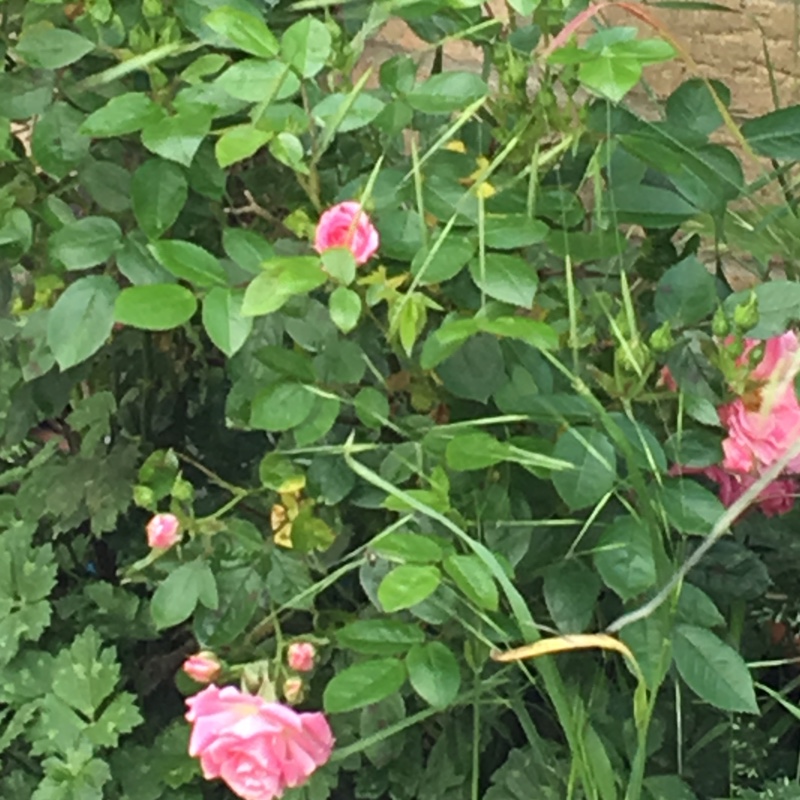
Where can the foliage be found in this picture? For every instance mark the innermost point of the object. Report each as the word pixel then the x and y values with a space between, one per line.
pixel 462 446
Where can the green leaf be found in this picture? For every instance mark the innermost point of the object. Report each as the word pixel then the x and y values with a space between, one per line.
pixel 571 590
pixel 281 407
pixel 624 557
pixel 476 370
pixel 57 144
pixel 177 597
pixel 288 149
pixel 345 308
pixel 690 507
pixel 695 607
pixel 686 294
pixel 223 320
pixel 524 7
pixel 475 450
pixel 85 243
pixel 451 257
pixel 306 45
pixel 713 670
pixel 406 546
pixel 24 95
pixel 239 143
pixel 81 320
pixel 319 422
pixel 537 334
pixel 139 265
pixel 245 31
pixel 511 231
pixel 692 107
pixel 447 92
pixel 157 307
pixel 509 279
pixel 108 184
pixel 27 576
pixel 52 48
pixel 159 191
pixel 363 684
pixel 281 278
pixel 84 676
pixel 474 579
pixel 648 206
pixel 776 134
pixel 372 407
pixel 361 110
pixel 123 114
pixel 434 673
pixel 595 467
pixel 611 76
pixel 190 262
pixel 407 585
pixel 257 81
pixel 379 637
pixel 177 138
pixel 340 264
pixel 247 248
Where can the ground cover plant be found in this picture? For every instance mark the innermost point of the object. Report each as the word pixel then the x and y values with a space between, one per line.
pixel 391 433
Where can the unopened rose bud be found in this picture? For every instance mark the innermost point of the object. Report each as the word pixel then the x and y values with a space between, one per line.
pixel 203 667
pixel 736 348
pixel 745 315
pixel 300 656
pixel 720 325
pixel 661 339
pixel 293 690
pixel 163 531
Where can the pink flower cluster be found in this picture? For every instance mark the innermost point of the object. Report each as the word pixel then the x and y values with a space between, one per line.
pixel 765 423
pixel 347 225
pixel 259 749
pixel 762 425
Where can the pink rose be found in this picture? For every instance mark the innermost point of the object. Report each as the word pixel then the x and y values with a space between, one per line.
pixel 301 656
pixel 202 667
pixel 347 225
pixel 163 531
pixel 765 422
pixel 760 433
pixel 258 748
pixel 775 364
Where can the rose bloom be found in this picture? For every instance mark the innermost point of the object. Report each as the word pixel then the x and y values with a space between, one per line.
pixel 301 656
pixel 258 748
pixel 202 667
pixel 775 498
pixel 764 423
pixel 347 225
pixel 163 531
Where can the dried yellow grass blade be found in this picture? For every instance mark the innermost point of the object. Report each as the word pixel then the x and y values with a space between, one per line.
pixel 564 644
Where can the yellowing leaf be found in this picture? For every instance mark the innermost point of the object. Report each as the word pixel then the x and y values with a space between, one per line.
pixel 564 644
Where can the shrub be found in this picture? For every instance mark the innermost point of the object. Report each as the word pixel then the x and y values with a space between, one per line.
pixel 408 400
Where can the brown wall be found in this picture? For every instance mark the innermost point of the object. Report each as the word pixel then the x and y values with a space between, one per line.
pixel 728 46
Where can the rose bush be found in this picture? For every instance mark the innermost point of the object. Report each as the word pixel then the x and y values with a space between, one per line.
pixel 399 421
